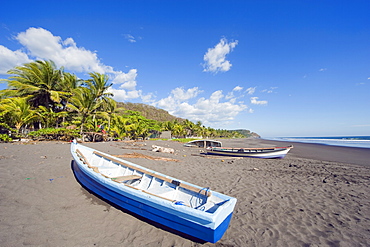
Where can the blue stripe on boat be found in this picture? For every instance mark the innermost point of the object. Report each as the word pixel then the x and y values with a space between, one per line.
pixel 154 214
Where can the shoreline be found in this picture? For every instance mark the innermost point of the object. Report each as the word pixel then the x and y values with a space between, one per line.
pixel 350 155
pixel 317 151
pixel 298 200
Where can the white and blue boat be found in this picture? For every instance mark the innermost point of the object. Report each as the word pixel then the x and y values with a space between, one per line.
pixel 264 153
pixel 203 143
pixel 186 208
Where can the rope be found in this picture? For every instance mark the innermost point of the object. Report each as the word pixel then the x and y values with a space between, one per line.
pixel 199 200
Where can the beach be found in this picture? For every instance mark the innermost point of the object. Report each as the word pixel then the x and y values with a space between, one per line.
pixel 318 195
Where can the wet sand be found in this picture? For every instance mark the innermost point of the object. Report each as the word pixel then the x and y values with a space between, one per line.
pixel 317 195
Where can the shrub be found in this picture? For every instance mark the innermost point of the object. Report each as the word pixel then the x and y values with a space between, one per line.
pixel 5 138
pixel 61 134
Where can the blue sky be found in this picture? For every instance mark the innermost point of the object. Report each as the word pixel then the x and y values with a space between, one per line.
pixel 278 68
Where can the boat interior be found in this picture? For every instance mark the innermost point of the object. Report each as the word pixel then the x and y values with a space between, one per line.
pixel 150 182
pixel 250 150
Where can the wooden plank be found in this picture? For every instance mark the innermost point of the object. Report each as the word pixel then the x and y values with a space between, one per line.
pixel 95 169
pixel 164 198
pixel 204 192
pixel 126 178
pixel 131 177
pixel 185 186
pixel 133 167
pixel 158 196
pixel 132 187
pixel 120 162
pixel 84 160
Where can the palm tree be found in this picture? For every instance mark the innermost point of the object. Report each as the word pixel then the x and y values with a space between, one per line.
pixel 189 127
pixel 198 128
pixel 178 130
pixel 48 116
pixel 88 100
pixel 167 126
pixel 119 126
pixel 40 80
pixel 84 103
pixel 18 112
pixel 98 84
pixel 69 84
pixel 109 108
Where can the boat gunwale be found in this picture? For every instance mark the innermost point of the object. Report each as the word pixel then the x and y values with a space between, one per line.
pixel 195 213
pixel 216 221
pixel 267 149
pixel 182 184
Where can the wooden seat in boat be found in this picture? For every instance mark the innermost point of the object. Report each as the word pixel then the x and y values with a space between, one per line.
pixel 126 178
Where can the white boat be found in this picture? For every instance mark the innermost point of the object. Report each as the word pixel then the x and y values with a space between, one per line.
pixel 189 209
pixel 203 143
pixel 266 153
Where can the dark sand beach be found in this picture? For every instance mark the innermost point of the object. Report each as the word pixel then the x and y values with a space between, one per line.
pixel 316 196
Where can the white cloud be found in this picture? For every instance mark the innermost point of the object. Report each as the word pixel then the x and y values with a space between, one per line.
pixel 215 58
pixel 177 96
pixel 148 98
pixel 231 95
pixel 42 44
pixel 251 90
pixel 213 110
pixel 217 109
pixel 255 101
pixel 127 87
pixel 121 95
pixel 127 80
pixel 181 95
pixel 323 69
pixel 9 59
pixel 130 38
pixel 238 88
pixel 270 90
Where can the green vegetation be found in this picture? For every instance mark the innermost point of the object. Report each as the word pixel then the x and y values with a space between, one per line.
pixel 4 132
pixel 44 102
pixel 247 133
pixel 184 140
pixel 54 134
pixel 5 138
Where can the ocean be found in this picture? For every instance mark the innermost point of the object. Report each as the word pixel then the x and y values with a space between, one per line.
pixel 347 141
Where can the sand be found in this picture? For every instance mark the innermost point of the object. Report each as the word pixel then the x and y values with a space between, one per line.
pixel 316 196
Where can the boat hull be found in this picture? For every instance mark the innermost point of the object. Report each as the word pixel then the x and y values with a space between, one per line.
pixel 143 207
pixel 203 143
pixel 255 153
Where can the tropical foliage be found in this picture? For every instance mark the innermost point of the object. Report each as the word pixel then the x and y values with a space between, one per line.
pixel 43 101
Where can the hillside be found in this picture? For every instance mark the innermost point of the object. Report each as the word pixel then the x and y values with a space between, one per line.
pixel 148 111
pixel 248 133
pixel 151 112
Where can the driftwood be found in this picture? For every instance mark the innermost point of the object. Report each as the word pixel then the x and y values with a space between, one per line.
pixel 216 157
pixel 133 148
pixel 134 144
pixel 138 155
pixel 94 136
pixel 162 149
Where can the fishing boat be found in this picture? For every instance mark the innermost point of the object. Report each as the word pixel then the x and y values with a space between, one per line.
pixel 266 153
pixel 189 209
pixel 203 143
